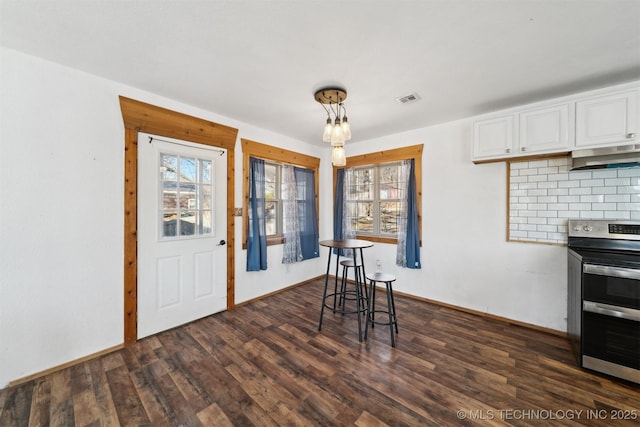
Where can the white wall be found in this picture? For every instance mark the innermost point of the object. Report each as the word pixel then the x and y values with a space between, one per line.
pixel 466 260
pixel 61 221
pixel 61 214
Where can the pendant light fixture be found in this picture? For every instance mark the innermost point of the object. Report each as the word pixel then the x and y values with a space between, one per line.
pixel 337 129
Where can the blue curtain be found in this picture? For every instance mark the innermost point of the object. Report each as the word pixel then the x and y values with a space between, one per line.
pixel 413 234
pixel 257 235
pixel 338 207
pixel 307 219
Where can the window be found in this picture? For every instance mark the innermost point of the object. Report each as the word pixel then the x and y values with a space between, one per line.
pixel 274 160
pixel 373 197
pixel 374 192
pixel 273 199
pixel 186 196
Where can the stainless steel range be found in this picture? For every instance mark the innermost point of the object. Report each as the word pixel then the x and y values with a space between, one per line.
pixel 604 296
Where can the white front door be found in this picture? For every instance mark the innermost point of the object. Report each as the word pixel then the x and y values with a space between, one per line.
pixel 182 262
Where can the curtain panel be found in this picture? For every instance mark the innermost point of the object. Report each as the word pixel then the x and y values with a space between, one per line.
pixel 257 234
pixel 307 213
pixel 292 251
pixel 412 248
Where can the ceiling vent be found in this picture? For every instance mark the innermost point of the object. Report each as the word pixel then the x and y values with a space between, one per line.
pixel 408 99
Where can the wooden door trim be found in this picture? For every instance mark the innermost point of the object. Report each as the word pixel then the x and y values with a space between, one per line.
pixel 141 117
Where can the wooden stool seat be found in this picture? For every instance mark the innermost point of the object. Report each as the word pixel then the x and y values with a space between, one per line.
pixel 361 297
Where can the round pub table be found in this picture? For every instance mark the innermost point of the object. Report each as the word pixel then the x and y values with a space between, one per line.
pixel 356 247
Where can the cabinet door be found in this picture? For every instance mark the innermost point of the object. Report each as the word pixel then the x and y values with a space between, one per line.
pixel 494 138
pixel 545 129
pixel 607 120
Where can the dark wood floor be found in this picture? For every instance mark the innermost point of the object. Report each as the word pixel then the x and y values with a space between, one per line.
pixel 266 364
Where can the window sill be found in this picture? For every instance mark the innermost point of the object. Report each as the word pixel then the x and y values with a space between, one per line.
pixel 380 239
pixel 271 241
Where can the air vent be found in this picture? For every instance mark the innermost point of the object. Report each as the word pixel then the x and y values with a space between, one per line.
pixel 408 99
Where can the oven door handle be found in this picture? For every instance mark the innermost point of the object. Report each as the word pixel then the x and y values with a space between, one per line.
pixel 606 270
pixel 611 310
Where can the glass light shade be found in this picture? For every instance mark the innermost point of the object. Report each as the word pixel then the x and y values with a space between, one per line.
pixel 337 137
pixel 326 135
pixel 346 128
pixel 338 156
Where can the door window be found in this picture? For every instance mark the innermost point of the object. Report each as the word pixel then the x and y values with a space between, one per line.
pixel 186 202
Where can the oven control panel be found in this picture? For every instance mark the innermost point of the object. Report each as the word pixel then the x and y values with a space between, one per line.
pixel 604 229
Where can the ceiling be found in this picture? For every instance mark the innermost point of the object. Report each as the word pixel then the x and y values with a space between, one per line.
pixel 260 62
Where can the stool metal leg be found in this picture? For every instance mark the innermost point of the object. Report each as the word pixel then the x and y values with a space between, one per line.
pixel 391 314
pixel 393 306
pixel 370 307
pixel 358 296
pixel 324 294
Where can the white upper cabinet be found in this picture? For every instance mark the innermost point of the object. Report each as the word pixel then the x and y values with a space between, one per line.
pixel 538 130
pixel 545 129
pixel 607 119
pixel 494 137
pixel 598 118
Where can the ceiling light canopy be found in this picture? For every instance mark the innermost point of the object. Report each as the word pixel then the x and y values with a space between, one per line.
pixel 337 129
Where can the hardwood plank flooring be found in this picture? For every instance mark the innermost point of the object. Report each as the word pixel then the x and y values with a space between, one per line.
pixel 266 364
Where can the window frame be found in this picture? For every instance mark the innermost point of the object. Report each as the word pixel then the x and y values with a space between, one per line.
pixel 273 154
pixel 198 184
pixel 388 156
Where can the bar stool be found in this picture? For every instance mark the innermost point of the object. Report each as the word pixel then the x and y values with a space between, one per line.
pixel 344 294
pixel 387 279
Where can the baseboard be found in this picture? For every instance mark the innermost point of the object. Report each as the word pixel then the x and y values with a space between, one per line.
pixel 487 315
pixel 65 365
pixel 476 312
pixel 279 291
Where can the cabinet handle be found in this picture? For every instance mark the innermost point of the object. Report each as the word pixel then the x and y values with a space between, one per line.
pixel 508 150
pixel 523 148
pixel 631 135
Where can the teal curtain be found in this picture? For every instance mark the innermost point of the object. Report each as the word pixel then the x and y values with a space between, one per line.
pixel 257 234
pixel 307 217
pixel 413 234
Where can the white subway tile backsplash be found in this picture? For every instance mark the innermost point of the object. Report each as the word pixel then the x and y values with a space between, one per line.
pixel 604 190
pixel 580 191
pixel 548 199
pixel 532 171
pixel 604 173
pixel 617 182
pixel 580 206
pixel 603 206
pixel 547 171
pixel 580 175
pixel 544 194
pixel 627 207
pixel 565 183
pixel 548 185
pixel 558 177
pixel 628 172
pixel 617 215
pixel 537 178
pixel 598 198
pixel 592 182
pixel 620 198
pixel 538 164
pixel 592 214
pixel 569 199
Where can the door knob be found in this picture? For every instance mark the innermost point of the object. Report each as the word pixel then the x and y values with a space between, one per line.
pixel 222 243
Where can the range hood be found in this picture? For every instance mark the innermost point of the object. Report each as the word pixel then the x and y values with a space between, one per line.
pixel 607 157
